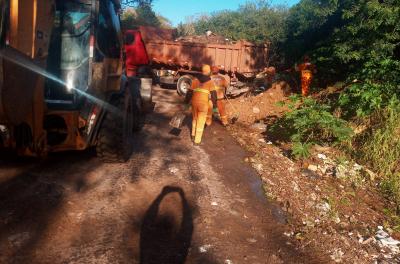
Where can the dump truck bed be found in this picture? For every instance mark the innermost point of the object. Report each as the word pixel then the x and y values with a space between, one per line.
pixel 243 57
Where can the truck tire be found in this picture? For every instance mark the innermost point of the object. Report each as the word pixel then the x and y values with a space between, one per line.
pixel 115 140
pixel 183 85
pixel 138 113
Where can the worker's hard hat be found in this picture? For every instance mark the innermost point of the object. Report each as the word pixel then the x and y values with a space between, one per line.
pixel 214 69
pixel 206 69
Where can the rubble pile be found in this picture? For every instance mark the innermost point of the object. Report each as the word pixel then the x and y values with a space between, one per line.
pixel 254 108
pixel 211 39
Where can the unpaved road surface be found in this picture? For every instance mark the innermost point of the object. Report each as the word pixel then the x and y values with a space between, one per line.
pixel 171 203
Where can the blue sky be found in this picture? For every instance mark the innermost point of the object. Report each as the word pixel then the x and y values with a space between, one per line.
pixel 178 10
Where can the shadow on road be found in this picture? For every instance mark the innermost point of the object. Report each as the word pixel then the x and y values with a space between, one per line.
pixel 162 240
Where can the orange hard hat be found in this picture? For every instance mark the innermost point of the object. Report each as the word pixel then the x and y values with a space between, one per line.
pixel 206 69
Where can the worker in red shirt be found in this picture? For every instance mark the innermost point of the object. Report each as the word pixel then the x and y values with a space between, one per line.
pixel 135 52
pixel 220 86
pixel 306 69
pixel 202 96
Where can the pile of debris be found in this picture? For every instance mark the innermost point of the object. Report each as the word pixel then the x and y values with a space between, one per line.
pixel 345 170
pixel 255 108
pixel 206 39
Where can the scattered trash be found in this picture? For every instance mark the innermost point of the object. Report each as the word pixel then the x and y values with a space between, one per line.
pixel 370 174
pixel 385 239
pixel 269 143
pixel 228 261
pixel 337 255
pixel 251 240
pixel 336 219
pixel 79 216
pixel 288 234
pixel 310 174
pixel 296 187
pixel 313 168
pixel 324 207
pixel 357 167
pixel 341 172
pixel 360 238
pixel 177 120
pixel 259 126
pixel 214 204
pixel 299 236
pixel 258 167
pixel 204 248
pixel 322 156
pixel 313 196
pixel 367 241
pixel 309 223
pixel 173 170
pixel 256 110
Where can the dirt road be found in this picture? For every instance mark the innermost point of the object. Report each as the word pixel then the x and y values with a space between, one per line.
pixel 171 203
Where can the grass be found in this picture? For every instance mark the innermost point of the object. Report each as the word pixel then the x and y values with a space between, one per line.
pixel 380 148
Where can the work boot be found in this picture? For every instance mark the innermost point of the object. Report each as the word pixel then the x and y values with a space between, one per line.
pixel 209 121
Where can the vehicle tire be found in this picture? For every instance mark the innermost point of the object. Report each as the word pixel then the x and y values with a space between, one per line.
pixel 183 85
pixel 138 113
pixel 115 140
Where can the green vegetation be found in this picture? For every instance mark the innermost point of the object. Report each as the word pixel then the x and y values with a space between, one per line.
pixel 140 13
pixel 255 21
pixel 308 123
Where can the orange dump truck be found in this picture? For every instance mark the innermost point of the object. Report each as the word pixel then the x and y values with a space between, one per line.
pixel 176 61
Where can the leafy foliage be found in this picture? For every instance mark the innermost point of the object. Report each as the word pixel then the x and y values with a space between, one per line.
pixel 347 38
pixel 380 88
pixel 310 122
pixel 142 15
pixel 133 3
pixel 255 21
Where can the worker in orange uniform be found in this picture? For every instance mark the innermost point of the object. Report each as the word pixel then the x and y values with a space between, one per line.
pixel 306 70
pixel 202 96
pixel 220 85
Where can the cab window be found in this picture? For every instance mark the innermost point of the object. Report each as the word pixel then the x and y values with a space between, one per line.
pixel 108 30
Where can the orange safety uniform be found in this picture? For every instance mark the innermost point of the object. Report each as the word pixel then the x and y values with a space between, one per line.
pixel 306 70
pixel 220 85
pixel 203 97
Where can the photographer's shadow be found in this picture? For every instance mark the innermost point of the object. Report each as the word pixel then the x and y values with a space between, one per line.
pixel 166 237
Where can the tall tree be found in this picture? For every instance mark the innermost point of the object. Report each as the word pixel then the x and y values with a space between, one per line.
pixel 134 3
pixel 139 13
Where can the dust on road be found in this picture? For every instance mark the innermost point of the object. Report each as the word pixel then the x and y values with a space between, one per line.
pixel 171 203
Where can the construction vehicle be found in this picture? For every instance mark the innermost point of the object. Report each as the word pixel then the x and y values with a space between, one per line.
pixel 176 61
pixel 62 84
